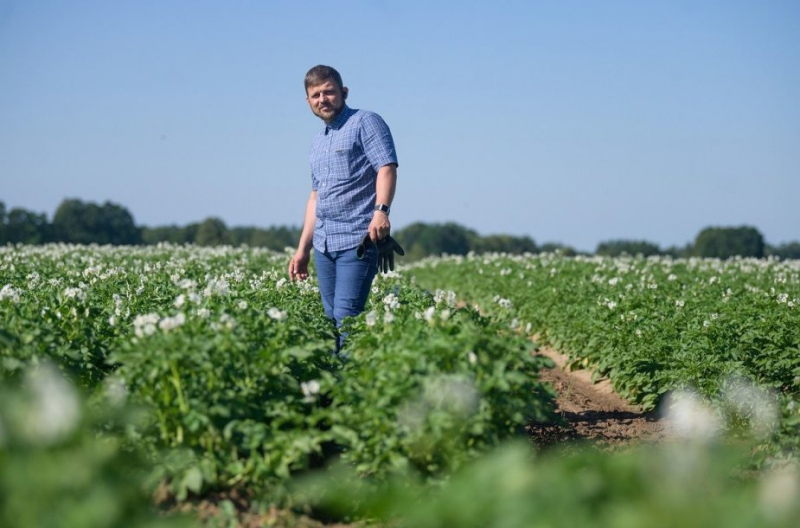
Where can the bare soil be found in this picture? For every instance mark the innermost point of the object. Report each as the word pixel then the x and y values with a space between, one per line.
pixel 591 411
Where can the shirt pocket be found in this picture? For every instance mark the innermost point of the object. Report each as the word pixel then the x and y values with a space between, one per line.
pixel 341 159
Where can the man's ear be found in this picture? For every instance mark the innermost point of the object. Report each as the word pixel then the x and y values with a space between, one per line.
pixel 344 93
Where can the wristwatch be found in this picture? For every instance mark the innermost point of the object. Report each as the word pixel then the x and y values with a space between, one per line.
pixel 382 207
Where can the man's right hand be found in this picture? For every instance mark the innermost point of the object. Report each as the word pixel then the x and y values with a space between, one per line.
pixel 298 266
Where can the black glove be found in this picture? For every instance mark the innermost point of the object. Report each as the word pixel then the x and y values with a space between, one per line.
pixel 387 247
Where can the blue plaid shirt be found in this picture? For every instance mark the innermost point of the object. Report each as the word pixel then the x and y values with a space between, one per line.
pixel 345 158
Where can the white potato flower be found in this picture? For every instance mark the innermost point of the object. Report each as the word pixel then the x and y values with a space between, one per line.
pixel 11 293
pixel 170 323
pixel 276 314
pixel 310 390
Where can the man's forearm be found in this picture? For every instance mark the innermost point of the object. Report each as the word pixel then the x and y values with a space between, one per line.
pixel 385 184
pixel 307 234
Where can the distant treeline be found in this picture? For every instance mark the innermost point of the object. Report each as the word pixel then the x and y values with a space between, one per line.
pixel 81 222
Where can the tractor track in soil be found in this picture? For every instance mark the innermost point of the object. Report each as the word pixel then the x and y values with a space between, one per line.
pixel 592 412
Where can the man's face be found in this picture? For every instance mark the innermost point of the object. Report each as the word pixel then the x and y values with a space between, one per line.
pixel 326 100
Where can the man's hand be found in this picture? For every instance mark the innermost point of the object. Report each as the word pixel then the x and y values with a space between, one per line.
pixel 387 247
pixel 298 266
pixel 379 227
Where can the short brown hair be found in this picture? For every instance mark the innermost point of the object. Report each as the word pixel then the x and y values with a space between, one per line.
pixel 321 73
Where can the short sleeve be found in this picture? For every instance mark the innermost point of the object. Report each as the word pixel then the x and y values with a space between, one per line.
pixel 377 141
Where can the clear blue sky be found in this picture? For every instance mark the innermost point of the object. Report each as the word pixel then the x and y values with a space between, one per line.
pixel 565 121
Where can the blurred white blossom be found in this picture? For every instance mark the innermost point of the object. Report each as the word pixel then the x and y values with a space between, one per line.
pixel 448 297
pixel 116 391
pixel 779 491
pixel 310 390
pixel 391 302
pixel 451 393
pixel 75 293
pixel 276 314
pixel 145 325
pixel 54 411
pixel 170 323
pixel 690 418
pixel 217 287
pixel 504 303
pixel 11 293
pixel 754 405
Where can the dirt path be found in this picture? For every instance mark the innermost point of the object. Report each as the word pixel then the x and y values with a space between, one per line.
pixel 593 412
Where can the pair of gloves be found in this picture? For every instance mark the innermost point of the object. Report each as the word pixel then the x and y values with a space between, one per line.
pixel 387 247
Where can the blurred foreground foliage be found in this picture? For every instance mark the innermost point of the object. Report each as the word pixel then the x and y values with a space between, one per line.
pixel 677 484
pixel 63 460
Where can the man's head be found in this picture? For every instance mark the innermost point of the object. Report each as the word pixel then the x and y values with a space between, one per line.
pixel 325 92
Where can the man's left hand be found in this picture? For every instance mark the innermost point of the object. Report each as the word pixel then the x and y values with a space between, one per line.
pixel 379 227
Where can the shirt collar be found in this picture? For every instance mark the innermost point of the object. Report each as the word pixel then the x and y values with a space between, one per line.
pixel 341 119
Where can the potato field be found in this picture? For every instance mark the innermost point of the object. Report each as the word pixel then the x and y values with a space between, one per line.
pixel 186 386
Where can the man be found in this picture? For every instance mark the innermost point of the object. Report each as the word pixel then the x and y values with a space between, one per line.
pixel 353 179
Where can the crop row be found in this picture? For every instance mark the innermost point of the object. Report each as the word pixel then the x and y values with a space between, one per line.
pixel 651 325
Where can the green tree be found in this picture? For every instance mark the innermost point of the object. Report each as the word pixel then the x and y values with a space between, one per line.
pixel 173 234
pixel 726 242
pixel 680 251
pixel 3 216
pixel 241 235
pixel 552 247
pixel 275 238
pixel 120 228
pixel 421 240
pixel 212 232
pixel 789 250
pixel 614 248
pixel 86 223
pixel 504 244
pixel 22 226
pixel 154 235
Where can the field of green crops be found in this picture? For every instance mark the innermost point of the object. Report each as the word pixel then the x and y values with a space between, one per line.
pixel 654 325
pixel 202 371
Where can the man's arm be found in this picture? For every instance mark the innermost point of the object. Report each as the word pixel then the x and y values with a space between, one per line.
pixel 380 227
pixel 298 266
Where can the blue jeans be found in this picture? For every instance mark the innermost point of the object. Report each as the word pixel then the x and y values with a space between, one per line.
pixel 344 283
